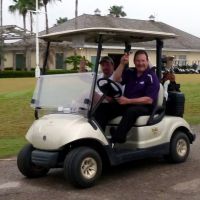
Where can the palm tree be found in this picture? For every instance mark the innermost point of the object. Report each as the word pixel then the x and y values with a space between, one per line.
pixel 20 6
pixel 45 2
pixel 117 11
pixel 61 20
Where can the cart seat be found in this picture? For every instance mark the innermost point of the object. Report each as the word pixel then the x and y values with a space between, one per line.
pixel 156 116
pixel 141 121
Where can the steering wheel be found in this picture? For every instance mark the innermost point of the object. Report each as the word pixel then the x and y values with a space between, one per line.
pixel 109 88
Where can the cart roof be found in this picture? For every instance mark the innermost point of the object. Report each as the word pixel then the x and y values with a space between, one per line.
pixel 110 35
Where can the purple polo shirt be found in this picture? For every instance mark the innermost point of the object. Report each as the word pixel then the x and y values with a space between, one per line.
pixel 145 85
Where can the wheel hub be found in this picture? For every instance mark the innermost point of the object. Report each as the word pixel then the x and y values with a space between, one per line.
pixel 89 168
pixel 181 147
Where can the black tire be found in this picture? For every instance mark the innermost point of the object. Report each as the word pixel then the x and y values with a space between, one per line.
pixel 26 167
pixel 179 147
pixel 74 162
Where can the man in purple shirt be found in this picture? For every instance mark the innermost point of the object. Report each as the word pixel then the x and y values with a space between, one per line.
pixel 140 95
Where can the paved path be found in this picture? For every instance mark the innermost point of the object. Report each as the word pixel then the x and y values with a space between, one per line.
pixel 150 179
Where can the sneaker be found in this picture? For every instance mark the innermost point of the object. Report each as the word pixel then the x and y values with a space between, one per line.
pixel 112 133
pixel 114 138
pixel 120 140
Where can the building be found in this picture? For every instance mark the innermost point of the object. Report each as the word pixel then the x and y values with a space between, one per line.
pixel 185 49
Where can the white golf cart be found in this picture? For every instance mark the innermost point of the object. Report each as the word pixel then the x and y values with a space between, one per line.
pixel 65 133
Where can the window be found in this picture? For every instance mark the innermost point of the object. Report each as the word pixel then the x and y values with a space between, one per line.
pixel 180 60
pixel 93 60
pixel 20 61
pixel 59 61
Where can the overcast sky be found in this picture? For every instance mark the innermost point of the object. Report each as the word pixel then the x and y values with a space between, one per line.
pixel 184 15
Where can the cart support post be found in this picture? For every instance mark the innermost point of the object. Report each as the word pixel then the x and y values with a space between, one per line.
pixel 95 75
pixel 159 46
pixel 46 58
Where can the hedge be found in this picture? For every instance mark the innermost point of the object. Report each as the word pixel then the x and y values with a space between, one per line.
pixel 23 74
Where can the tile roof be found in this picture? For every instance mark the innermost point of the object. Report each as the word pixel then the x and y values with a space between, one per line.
pixel 185 41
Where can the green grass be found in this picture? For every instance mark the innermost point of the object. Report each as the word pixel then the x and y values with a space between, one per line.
pixel 11 146
pixel 192 106
pixel 17 116
pixel 190 86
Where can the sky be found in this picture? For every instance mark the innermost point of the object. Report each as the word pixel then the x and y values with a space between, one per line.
pixel 184 15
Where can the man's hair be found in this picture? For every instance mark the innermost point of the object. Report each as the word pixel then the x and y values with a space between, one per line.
pixel 106 59
pixel 139 52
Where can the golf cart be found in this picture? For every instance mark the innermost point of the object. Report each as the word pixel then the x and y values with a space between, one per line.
pixel 65 133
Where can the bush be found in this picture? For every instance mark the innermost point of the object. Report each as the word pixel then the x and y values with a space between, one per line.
pixel 16 74
pixel 23 74
pixel 60 71
pixel 8 69
pixel 76 60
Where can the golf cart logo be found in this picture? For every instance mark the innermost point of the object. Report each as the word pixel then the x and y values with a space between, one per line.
pixel 155 130
pixel 44 138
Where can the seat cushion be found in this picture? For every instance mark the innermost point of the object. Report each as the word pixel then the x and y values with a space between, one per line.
pixel 141 121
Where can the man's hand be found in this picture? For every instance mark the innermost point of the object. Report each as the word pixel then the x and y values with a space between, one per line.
pixel 123 100
pixel 117 76
pixel 124 59
pixel 109 99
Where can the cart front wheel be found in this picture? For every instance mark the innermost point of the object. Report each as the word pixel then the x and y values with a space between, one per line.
pixel 26 167
pixel 82 167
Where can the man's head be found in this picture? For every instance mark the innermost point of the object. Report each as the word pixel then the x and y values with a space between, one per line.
pixel 107 66
pixel 141 60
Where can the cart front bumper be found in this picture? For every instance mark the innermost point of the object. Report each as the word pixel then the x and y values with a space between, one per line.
pixel 44 158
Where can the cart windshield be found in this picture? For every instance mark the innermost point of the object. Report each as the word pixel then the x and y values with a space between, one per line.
pixel 67 93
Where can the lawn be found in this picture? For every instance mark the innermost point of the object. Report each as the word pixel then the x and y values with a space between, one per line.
pixel 17 116
pixel 190 86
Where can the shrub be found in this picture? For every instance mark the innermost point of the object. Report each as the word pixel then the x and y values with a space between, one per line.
pixel 76 60
pixel 23 74
pixel 8 69
pixel 16 74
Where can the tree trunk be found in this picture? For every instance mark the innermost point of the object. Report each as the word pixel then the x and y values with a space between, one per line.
pixel 24 24
pixel 24 37
pixel 76 14
pixel 46 17
pixel 45 64
pixel 1 4
pixel 1 39
pixel 76 26
pixel 31 20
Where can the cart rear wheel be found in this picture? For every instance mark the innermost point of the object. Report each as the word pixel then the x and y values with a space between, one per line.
pixel 179 147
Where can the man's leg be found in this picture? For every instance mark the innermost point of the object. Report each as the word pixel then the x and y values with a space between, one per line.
pixel 100 115
pixel 105 112
pixel 130 116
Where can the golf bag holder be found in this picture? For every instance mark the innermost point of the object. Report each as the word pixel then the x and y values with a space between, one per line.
pixel 175 104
